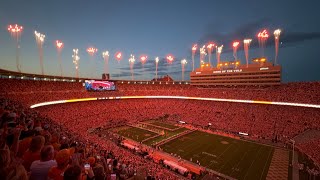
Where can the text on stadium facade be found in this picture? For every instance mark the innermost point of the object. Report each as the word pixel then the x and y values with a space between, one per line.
pixel 227 71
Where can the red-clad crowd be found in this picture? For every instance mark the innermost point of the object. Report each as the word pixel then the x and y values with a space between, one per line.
pixel 35 147
pixel 66 127
pixel 25 90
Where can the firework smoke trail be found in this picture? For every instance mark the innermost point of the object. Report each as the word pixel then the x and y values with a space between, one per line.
pixel 276 41
pixel 219 51
pixel 75 60
pixel 15 32
pixel 262 37
pixel 131 63
pixel 157 62
pixel 209 49
pixel 143 60
pixel 92 51
pixel 202 54
pixel 183 63
pixel 194 49
pixel 235 46
pixel 246 46
pixel 170 59
pixel 118 56
pixel 105 56
pixel 40 39
pixel 59 46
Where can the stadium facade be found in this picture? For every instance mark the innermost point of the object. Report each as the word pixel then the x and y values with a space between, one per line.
pixel 259 73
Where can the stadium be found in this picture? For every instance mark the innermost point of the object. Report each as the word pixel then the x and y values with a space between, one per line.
pixel 219 112
pixel 196 132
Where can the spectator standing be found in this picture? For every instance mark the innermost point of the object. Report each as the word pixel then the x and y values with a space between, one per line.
pixel 39 169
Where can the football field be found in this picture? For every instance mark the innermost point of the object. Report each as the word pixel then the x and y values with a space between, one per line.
pixel 135 134
pixel 139 134
pixel 235 158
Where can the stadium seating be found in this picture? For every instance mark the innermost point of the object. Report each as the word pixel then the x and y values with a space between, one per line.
pixel 67 126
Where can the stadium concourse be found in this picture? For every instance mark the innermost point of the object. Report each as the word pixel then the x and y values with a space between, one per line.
pixel 31 138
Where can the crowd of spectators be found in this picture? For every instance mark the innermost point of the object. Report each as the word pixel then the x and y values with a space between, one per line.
pixel 312 148
pixel 51 129
pixel 274 123
pixel 25 90
pixel 36 147
pixel 309 142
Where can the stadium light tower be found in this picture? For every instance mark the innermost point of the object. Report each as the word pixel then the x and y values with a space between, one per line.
pixel 75 61
pixel 40 39
pixel 15 31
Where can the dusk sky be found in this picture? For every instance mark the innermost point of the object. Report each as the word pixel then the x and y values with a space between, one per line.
pixel 158 28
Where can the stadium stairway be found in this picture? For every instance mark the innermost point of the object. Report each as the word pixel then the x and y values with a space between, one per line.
pixel 278 169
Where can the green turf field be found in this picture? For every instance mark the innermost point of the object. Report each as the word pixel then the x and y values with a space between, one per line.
pixel 136 134
pixel 235 158
pixel 139 135
pixel 161 124
pixel 167 135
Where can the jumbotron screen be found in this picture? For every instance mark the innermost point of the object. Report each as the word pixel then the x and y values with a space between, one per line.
pixel 93 85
